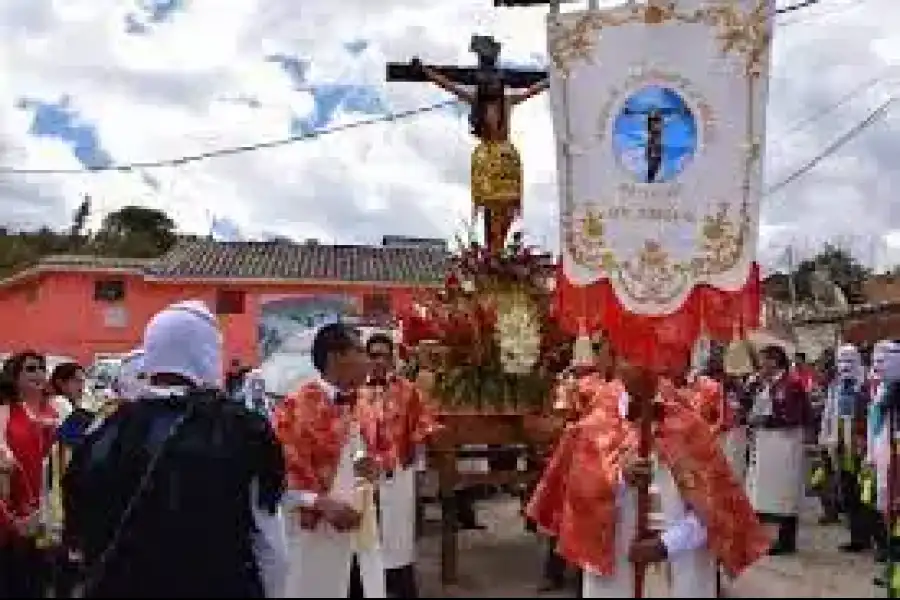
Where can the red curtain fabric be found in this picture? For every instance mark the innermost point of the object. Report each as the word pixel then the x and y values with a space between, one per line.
pixel 659 342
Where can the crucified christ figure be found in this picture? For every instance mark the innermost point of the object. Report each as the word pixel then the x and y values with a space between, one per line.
pixel 496 166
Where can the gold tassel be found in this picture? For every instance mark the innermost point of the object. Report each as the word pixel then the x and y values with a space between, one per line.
pixel 738 361
pixel 583 352
pixel 367 534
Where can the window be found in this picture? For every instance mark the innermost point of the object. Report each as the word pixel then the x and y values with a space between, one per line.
pixel 230 302
pixel 109 290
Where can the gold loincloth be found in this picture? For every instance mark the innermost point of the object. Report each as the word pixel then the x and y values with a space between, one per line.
pixel 496 177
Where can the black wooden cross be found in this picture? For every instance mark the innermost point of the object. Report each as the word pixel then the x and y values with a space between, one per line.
pixel 487 51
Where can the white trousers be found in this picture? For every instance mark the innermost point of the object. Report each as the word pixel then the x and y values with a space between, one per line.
pixel 397 515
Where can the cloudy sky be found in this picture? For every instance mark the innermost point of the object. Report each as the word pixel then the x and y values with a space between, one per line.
pixel 98 82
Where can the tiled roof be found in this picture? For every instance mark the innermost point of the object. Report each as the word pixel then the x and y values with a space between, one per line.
pixel 94 262
pixel 207 259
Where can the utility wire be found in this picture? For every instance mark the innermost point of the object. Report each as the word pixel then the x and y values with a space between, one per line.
pixel 857 90
pixel 828 11
pixel 796 6
pixel 875 116
pixel 233 150
pixel 243 149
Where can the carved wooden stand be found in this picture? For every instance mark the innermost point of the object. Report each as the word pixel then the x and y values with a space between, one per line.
pixel 534 432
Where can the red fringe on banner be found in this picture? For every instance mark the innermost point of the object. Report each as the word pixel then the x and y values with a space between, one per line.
pixel 659 342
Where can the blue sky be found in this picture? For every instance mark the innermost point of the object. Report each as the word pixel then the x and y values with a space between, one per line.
pixel 57 119
pixel 100 81
pixel 151 12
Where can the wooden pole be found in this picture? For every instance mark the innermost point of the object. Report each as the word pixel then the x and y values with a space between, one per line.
pixel 642 527
pixel 642 384
pixel 446 463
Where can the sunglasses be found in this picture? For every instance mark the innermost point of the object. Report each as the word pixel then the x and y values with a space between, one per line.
pixel 31 369
pixel 377 355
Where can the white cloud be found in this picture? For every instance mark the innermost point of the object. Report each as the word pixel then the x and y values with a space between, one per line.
pixel 200 80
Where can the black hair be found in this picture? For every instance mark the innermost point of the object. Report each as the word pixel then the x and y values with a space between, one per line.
pixel 777 354
pixel 7 390
pixel 14 366
pixel 331 339
pixel 379 338
pixel 62 373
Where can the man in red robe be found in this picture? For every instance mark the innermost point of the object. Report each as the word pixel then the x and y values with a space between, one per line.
pixel 332 446
pixel 584 500
pixel 407 421
pixel 590 380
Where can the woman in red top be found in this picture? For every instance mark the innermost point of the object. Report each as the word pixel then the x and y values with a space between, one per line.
pixel 29 435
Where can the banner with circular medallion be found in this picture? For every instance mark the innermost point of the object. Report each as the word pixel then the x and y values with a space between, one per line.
pixel 659 109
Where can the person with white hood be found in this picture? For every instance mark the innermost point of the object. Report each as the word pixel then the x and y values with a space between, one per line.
pixel 843 432
pixel 178 493
pixel 878 448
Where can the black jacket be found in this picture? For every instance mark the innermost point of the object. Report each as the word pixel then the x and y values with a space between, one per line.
pixel 190 533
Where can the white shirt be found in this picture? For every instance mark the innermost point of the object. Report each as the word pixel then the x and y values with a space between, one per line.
pixel 683 535
pixel 62 406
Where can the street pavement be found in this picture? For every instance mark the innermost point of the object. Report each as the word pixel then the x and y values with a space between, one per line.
pixel 504 561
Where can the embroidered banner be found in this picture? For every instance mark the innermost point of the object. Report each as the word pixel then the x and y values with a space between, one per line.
pixel 659 110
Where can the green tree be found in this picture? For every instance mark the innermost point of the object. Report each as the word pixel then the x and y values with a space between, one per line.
pixel 136 231
pixel 838 266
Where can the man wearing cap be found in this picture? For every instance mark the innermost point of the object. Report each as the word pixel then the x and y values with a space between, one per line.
pixel 177 493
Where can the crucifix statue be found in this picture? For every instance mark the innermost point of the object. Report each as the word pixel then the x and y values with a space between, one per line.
pixel 655 142
pixel 496 166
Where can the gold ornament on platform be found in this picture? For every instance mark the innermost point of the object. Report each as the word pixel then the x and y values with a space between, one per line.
pixel 518 333
pixel 501 344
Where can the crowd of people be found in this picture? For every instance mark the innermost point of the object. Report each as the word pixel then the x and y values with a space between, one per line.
pixel 766 419
pixel 177 486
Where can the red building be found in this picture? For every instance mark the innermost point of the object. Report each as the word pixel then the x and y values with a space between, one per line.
pixel 263 292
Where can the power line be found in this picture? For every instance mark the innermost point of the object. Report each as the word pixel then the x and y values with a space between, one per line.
pixel 829 11
pixel 306 136
pixel 233 150
pixel 796 6
pixel 857 90
pixel 875 116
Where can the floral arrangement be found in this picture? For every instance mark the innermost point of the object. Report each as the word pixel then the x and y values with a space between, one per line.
pixel 501 347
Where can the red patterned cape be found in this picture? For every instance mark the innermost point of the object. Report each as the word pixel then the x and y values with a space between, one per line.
pixel 406 417
pixel 312 431
pixel 575 500
pixel 707 396
pixel 579 400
